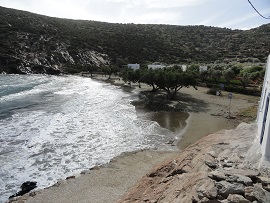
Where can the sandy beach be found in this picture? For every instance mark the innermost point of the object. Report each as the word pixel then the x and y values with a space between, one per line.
pixel 102 184
pixel 213 114
pixel 208 114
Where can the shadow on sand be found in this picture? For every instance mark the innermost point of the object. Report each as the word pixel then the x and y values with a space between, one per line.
pixel 157 101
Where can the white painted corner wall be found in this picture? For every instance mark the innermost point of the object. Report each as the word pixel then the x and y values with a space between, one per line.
pixel 263 116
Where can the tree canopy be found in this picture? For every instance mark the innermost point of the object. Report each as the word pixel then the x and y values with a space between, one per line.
pixel 171 80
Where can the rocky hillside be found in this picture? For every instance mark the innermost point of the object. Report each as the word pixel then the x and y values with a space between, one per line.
pixel 41 44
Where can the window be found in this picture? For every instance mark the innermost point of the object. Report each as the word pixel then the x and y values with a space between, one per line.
pixel 264 118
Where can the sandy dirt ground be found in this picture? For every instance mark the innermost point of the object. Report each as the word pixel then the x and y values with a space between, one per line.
pixel 108 183
pixel 209 113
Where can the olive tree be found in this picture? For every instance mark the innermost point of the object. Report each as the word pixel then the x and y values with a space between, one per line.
pixel 172 80
pixel 228 75
pixel 216 75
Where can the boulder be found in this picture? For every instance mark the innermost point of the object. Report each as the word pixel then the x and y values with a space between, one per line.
pixel 261 194
pixel 217 176
pixel 226 188
pixel 264 180
pixel 240 179
pixel 249 195
pixel 25 188
pixel 234 198
pixel 212 165
pixel 204 200
pixel 210 193
pixel 244 172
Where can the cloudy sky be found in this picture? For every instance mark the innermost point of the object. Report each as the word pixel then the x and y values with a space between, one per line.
pixel 235 14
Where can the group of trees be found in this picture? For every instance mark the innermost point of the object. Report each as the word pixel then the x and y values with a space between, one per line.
pixel 104 70
pixel 236 74
pixel 172 79
pixel 235 77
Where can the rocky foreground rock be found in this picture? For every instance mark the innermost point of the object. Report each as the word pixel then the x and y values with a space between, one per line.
pixel 222 168
pixel 25 188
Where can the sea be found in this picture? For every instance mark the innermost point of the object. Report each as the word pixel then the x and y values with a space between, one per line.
pixel 52 127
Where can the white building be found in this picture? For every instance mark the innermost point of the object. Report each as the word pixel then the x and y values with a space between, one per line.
pixel 134 66
pixel 154 66
pixel 263 116
pixel 184 67
pixel 202 68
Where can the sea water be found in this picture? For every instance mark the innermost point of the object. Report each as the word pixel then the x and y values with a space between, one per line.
pixel 52 127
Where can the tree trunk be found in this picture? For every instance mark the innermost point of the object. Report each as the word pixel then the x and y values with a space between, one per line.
pixel 243 84
pixel 109 76
pixel 154 89
pixel 170 95
pixel 173 94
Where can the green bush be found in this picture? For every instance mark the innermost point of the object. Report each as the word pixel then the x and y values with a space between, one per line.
pixel 210 85
pixel 213 91
pixel 72 70
pixel 236 82
pixel 242 90
pixel 232 88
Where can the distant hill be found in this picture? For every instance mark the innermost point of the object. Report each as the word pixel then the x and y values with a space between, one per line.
pixel 36 43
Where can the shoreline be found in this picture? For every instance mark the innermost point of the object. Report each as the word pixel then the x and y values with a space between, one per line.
pixel 122 166
pixel 207 113
pixel 105 183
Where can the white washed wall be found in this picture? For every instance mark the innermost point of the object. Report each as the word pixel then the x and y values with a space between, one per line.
pixel 263 118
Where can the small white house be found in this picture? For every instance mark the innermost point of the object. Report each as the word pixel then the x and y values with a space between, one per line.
pixel 134 66
pixel 263 116
pixel 184 67
pixel 202 68
pixel 154 66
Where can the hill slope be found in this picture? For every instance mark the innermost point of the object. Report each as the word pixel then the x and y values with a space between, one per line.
pixel 36 43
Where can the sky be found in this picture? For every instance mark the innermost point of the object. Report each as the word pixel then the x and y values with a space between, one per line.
pixel 234 14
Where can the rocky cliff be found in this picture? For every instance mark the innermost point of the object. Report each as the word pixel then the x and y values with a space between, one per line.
pixel 216 169
pixel 31 44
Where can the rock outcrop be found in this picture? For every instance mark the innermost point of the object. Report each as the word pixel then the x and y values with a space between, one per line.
pixel 53 58
pixel 25 188
pixel 214 169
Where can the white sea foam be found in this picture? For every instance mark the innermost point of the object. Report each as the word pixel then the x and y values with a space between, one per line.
pixel 76 123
